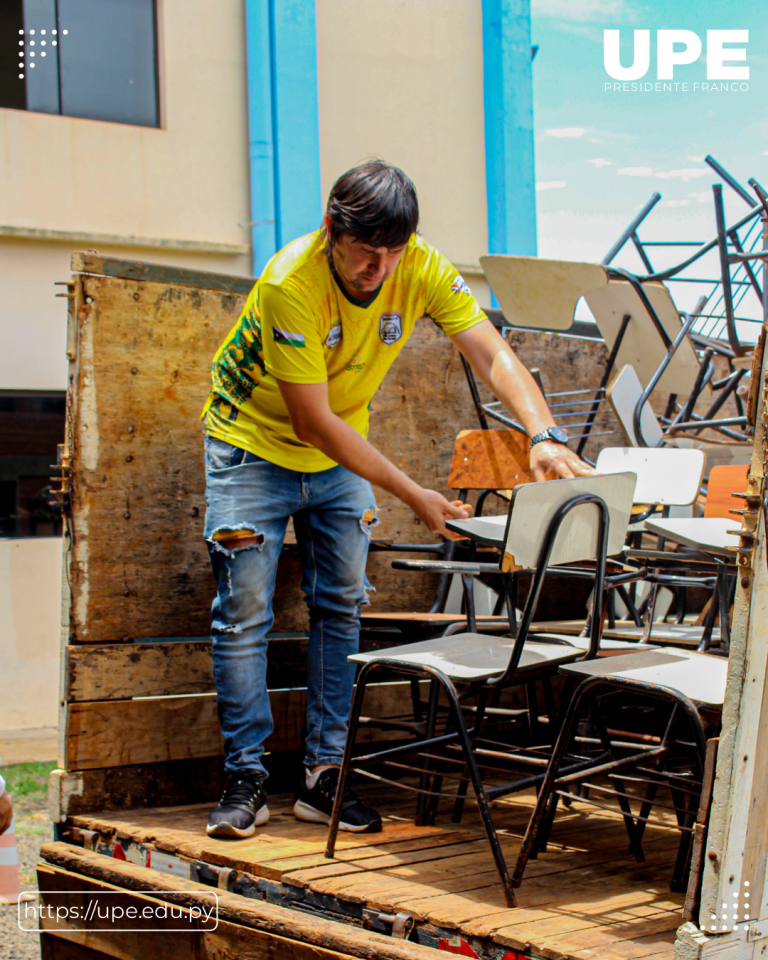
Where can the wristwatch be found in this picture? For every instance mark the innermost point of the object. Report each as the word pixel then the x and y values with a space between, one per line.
pixel 555 434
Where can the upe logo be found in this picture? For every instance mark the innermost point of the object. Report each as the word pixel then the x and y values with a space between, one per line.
pixel 677 48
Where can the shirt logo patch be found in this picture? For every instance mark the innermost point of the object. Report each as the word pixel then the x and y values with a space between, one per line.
pixel 333 337
pixel 459 285
pixel 390 328
pixel 287 339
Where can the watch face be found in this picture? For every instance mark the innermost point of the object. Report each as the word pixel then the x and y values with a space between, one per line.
pixel 558 434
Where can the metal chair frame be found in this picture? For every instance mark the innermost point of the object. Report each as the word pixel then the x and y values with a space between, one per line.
pixel 643 760
pixel 457 732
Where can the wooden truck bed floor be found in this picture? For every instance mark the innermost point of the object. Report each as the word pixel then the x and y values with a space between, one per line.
pixel 586 897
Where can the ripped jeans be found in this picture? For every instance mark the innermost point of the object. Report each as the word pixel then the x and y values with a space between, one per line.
pixel 332 512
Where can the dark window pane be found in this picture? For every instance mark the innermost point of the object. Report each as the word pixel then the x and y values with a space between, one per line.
pixel 41 56
pixel 12 89
pixel 107 60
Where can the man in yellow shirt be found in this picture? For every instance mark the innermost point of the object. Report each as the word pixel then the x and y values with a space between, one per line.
pixel 286 425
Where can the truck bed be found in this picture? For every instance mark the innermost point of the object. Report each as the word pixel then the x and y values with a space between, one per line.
pixel 585 897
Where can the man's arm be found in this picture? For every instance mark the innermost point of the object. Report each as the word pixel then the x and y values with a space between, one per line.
pixel 6 808
pixel 500 370
pixel 314 422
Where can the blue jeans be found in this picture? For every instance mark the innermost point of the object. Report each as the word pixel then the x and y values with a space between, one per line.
pixel 333 511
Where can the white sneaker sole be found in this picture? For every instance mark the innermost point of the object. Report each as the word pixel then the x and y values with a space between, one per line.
pixel 303 811
pixel 227 830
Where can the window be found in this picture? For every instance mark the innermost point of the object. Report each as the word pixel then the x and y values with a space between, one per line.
pixel 31 426
pixel 95 59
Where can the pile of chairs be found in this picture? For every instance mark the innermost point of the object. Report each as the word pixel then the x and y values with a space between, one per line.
pixel 632 531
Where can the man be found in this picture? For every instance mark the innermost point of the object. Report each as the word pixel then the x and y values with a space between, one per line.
pixel 286 427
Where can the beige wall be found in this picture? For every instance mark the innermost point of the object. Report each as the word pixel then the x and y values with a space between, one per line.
pixel 403 80
pixel 30 612
pixel 188 181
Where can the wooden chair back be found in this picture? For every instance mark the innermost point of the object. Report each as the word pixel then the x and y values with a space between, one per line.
pixel 540 293
pixel 665 476
pixel 723 481
pixel 489 460
pixel 534 505
pixel 623 393
pixel 641 346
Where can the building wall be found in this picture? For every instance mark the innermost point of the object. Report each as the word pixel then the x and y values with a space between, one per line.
pixel 30 611
pixel 403 81
pixel 186 182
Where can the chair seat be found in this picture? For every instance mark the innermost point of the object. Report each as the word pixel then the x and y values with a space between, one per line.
pixel 685 634
pixel 473 656
pixel 608 646
pixel 698 676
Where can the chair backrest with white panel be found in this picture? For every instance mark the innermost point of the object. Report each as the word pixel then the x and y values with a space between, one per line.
pixel 642 345
pixel 540 293
pixel 623 393
pixel 534 505
pixel 665 476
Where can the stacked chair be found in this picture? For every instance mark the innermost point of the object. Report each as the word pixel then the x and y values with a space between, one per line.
pixel 549 524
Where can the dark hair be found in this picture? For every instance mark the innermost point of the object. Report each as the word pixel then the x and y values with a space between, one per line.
pixel 376 203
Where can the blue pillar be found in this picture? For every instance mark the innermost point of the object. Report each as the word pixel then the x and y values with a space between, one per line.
pixel 508 102
pixel 286 202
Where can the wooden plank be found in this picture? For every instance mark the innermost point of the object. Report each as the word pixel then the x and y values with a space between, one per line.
pixel 54 947
pixel 121 671
pixel 127 787
pixel 106 266
pixel 723 482
pixel 489 460
pixel 114 733
pixel 270 920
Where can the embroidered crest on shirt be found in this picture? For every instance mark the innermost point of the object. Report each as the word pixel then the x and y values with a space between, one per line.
pixel 459 285
pixel 333 337
pixel 390 327
pixel 286 338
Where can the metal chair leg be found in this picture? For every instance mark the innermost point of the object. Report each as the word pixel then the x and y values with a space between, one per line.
pixel 354 722
pixel 421 803
pixel 480 796
pixel 461 792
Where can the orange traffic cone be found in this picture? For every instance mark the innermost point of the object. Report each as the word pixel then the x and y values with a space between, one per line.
pixel 10 887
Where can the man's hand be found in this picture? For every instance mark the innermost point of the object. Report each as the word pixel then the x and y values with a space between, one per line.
pixel 555 458
pixel 433 509
pixel 6 812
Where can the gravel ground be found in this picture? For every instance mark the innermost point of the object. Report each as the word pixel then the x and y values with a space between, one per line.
pixel 33 828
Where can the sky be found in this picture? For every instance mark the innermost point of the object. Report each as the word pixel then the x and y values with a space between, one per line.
pixel 601 154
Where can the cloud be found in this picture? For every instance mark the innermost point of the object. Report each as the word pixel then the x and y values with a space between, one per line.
pixel 583 10
pixel 566 133
pixel 765 153
pixel 594 140
pixel 675 203
pixel 551 185
pixel 636 172
pixel 702 196
pixel 599 162
pixel 684 175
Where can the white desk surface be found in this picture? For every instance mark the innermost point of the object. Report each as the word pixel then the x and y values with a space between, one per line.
pixel 702 533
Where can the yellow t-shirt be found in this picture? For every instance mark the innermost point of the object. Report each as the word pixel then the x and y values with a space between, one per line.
pixel 299 325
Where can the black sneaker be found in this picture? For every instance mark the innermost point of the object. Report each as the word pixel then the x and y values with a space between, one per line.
pixel 242 808
pixel 316 805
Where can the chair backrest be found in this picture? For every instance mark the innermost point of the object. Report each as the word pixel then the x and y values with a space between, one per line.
pixel 540 293
pixel 623 393
pixel 489 460
pixel 665 476
pixel 641 346
pixel 534 505
pixel 723 481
